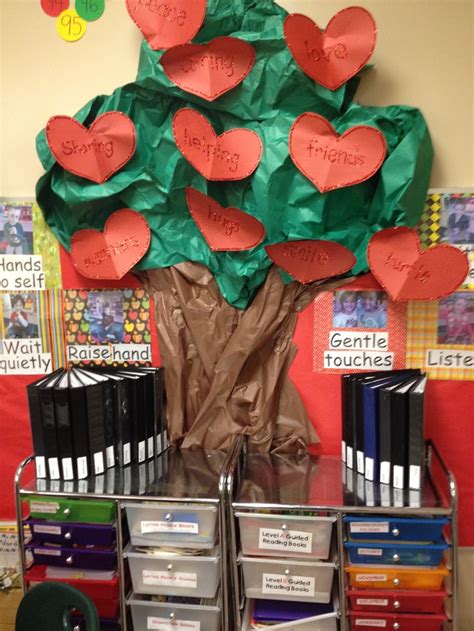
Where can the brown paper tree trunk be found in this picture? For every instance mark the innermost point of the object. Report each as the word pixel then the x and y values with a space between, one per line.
pixel 226 369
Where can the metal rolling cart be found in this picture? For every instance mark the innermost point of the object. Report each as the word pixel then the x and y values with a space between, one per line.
pixel 270 485
pixel 176 478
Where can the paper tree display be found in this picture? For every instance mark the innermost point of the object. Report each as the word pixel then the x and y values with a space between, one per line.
pixel 238 122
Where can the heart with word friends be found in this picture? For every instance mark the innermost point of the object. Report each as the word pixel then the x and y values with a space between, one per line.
pixel 331 161
pixel 110 254
pixel 234 155
pixel 409 273
pixel 97 152
pixel 225 229
pixel 209 70
pixel 309 261
pixel 334 56
pixel 167 23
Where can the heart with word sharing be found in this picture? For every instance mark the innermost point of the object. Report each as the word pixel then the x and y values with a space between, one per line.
pixel 234 155
pixel 209 70
pixel 407 272
pixel 97 152
pixel 225 229
pixel 309 261
pixel 167 23
pixel 334 56
pixel 110 254
pixel 331 161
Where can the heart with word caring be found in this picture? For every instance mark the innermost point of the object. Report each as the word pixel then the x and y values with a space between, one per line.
pixel 97 152
pixel 234 155
pixel 407 272
pixel 167 23
pixel 309 261
pixel 209 70
pixel 112 253
pixel 225 229
pixel 334 56
pixel 331 161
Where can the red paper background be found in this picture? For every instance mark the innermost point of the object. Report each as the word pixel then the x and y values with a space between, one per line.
pixel 449 413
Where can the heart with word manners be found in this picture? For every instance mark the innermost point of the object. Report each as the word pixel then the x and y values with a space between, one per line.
pixel 234 155
pixel 110 254
pixel 167 23
pixel 334 56
pixel 331 161
pixel 225 229
pixel 407 272
pixel 209 70
pixel 309 261
pixel 97 152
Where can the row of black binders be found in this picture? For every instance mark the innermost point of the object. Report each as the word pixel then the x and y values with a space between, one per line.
pixel 86 421
pixel 383 426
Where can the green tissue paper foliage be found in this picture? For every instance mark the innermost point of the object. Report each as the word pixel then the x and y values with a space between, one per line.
pixel 269 100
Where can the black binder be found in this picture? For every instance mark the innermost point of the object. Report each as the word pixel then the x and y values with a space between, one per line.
pixel 416 438
pixel 122 431
pixel 138 414
pixel 160 428
pixel 80 428
pixel 399 429
pixel 46 397
pixel 64 427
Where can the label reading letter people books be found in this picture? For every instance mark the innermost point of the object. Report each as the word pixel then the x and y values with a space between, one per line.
pixel 288 540
pixel 183 527
pixel 186 580
pixel 165 624
pixel 275 584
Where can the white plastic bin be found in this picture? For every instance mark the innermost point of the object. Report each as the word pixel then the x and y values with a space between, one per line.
pixel 147 615
pixel 326 622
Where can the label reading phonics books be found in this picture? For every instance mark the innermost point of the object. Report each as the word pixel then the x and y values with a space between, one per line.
pixel 184 527
pixel 281 584
pixel 288 540
pixel 44 507
pixel 46 530
pixel 165 624
pixel 187 580
pixel 371 578
pixel 373 602
pixel 370 552
pixel 370 622
pixel 372 527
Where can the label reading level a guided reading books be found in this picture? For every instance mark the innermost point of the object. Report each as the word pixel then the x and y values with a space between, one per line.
pixel 288 540
pixel 281 584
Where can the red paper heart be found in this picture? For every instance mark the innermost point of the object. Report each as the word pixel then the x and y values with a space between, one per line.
pixel 167 23
pixel 309 261
pixel 209 70
pixel 225 229
pixel 112 253
pixel 95 153
pixel 409 273
pixel 234 155
pixel 331 161
pixel 333 57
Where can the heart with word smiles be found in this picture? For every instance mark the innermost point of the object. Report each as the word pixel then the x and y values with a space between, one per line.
pixel 225 229
pixel 95 153
pixel 331 161
pixel 407 272
pixel 112 253
pixel 309 261
pixel 209 70
pixel 234 155
pixel 169 23
pixel 334 56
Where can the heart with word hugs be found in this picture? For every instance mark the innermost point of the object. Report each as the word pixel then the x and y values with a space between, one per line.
pixel 209 70
pixel 110 254
pixel 334 56
pixel 234 155
pixel 94 153
pixel 225 229
pixel 309 261
pixel 409 273
pixel 167 23
pixel 331 161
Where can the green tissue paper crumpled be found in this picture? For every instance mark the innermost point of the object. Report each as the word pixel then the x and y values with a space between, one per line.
pixel 269 100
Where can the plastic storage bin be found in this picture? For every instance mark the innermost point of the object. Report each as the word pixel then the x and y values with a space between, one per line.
pixel 285 535
pixel 169 574
pixel 403 577
pixel 404 622
pixel 85 558
pixel 428 554
pixel 172 525
pixel 71 534
pixel 395 528
pixel 70 510
pixel 402 601
pixel 273 579
pixel 325 622
pixel 147 614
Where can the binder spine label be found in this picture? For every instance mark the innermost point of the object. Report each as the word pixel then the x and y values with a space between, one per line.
pixel 141 451
pixel 151 452
pixel 98 463
pixel 126 453
pixel 385 472
pixel 82 471
pixel 398 476
pixel 110 457
pixel 40 463
pixel 343 451
pixel 369 527
pixel 53 466
pixel 415 477
pixel 360 462
pixel 350 457
pixel 68 471
pixel 369 469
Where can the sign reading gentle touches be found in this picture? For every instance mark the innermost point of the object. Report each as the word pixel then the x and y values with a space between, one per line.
pixel 309 261
pixel 234 155
pixel 95 153
pixel 331 161
pixel 225 229
pixel 334 56
pixel 112 253
pixel 209 70
pixel 409 273
pixel 167 23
